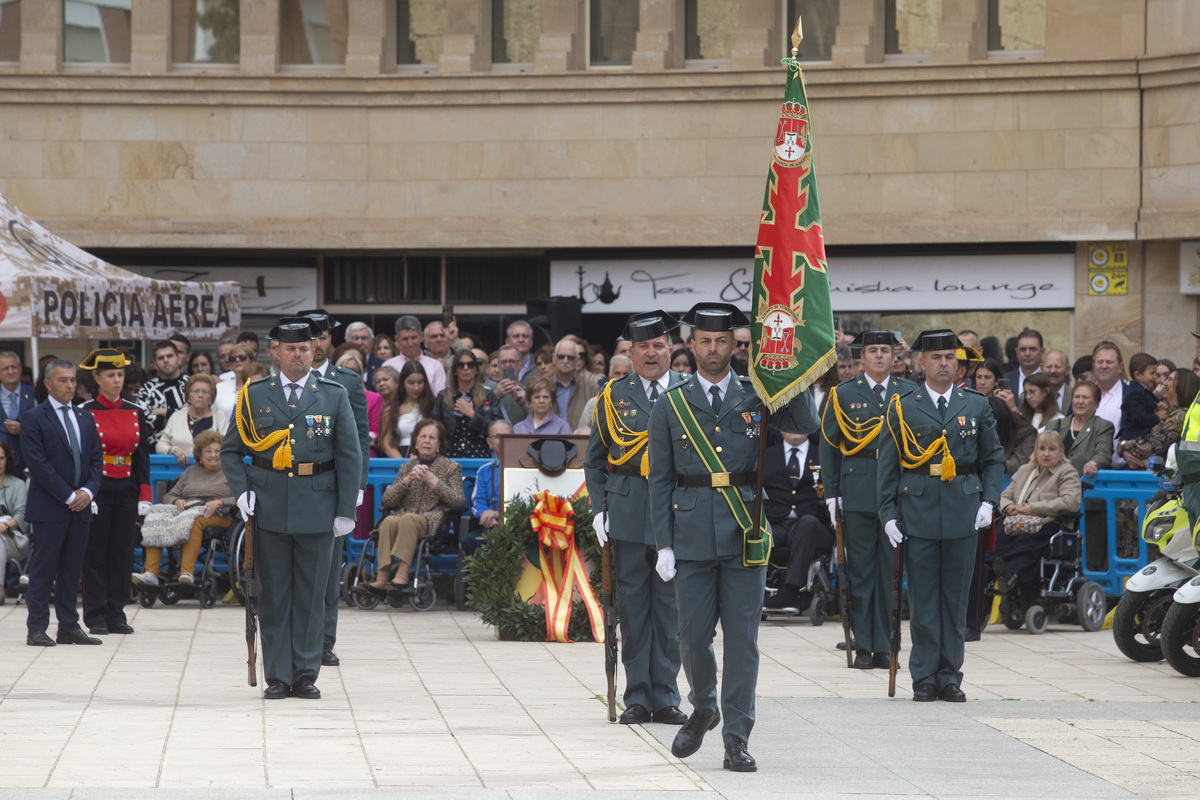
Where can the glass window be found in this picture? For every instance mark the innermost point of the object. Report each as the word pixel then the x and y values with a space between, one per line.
pixel 1016 25
pixel 420 24
pixel 206 31
pixel 911 26
pixel 10 30
pixel 820 19
pixel 612 31
pixel 516 26
pixel 96 31
pixel 312 32
pixel 710 26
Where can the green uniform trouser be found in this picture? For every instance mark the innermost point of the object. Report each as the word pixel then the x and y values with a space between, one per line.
pixel 293 571
pixel 869 567
pixel 649 628
pixel 333 590
pixel 939 580
pixel 721 589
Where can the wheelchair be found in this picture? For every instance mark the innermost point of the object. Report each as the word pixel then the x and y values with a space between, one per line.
pixel 220 562
pixel 437 556
pixel 821 585
pixel 1065 593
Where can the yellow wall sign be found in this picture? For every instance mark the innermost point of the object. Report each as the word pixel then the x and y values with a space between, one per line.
pixel 1108 269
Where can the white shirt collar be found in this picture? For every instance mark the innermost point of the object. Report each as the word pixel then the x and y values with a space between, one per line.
pixel 934 395
pixel 662 383
pixel 871 382
pixel 55 404
pixel 800 449
pixel 723 384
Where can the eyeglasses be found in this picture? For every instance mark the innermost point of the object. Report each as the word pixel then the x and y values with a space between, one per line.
pixel 564 357
pixel 239 358
pixel 740 345
pixel 466 365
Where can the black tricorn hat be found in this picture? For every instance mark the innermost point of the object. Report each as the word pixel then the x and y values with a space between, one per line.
pixel 876 337
pixel 552 455
pixel 935 340
pixel 320 316
pixel 715 317
pixel 649 325
pixel 273 334
pixel 297 329
pixel 105 358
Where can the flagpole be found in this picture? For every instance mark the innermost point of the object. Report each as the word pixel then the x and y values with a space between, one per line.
pixel 758 480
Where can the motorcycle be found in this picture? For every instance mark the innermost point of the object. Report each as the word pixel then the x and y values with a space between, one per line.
pixel 1180 636
pixel 1141 614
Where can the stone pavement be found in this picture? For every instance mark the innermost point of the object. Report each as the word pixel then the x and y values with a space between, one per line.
pixel 431 705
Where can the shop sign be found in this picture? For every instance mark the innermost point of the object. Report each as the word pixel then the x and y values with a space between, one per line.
pixel 1108 269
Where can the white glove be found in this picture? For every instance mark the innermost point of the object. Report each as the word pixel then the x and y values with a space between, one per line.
pixel 834 504
pixel 600 523
pixel 893 532
pixel 666 564
pixel 983 517
pixel 95 508
pixel 359 501
pixel 245 504
pixel 143 507
pixel 342 526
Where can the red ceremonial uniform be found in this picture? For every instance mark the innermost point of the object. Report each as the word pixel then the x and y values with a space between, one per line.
pixel 126 451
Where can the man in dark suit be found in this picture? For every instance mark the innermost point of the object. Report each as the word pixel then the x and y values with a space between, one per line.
pixel 15 399
pixel 798 517
pixel 62 450
pixel 1030 352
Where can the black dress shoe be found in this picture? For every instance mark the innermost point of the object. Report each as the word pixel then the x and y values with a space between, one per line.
pixel 328 657
pixel 863 660
pixel 39 639
pixel 881 660
pixel 842 644
pixel 120 627
pixel 401 589
pixel 276 690
pixel 98 630
pixel 305 689
pixel 972 635
pixel 76 636
pixel 952 694
pixel 786 599
pixel 737 759
pixel 925 693
pixel 691 735
pixel 636 714
pixel 671 715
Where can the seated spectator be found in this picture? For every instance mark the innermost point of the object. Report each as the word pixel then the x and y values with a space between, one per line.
pixel 465 409
pixel 424 487
pixel 683 362
pixel 14 537
pixel 349 356
pixel 485 499
pixel 194 418
pixel 239 356
pixel 1182 386
pixel 1138 404
pixel 1038 403
pixel 1087 439
pixel 1040 492
pixel 200 363
pixel 382 348
pixel 541 421
pixel 986 376
pixel 1016 435
pixel 202 482
pixel 798 517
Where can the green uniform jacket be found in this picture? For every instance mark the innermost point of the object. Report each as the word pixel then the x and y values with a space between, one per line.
pixel 288 502
pixel 697 521
pixel 358 404
pixel 628 512
pixel 933 508
pixel 852 478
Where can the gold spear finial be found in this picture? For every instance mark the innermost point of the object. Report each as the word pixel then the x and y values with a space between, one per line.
pixel 797 37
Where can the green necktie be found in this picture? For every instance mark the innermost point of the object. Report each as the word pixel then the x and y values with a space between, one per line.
pixel 716 399
pixel 942 407
pixel 654 392
pixel 74 440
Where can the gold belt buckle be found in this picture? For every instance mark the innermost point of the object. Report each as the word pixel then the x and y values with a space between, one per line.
pixel 305 468
pixel 935 470
pixel 720 480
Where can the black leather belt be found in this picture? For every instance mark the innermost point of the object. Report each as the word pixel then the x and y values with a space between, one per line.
pixel 717 480
pixel 871 455
pixel 930 468
pixel 628 468
pixel 1191 477
pixel 301 468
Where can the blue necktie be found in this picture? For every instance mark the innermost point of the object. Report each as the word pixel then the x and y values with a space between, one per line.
pixel 74 440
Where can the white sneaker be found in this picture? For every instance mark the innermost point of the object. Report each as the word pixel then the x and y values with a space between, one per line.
pixel 187 577
pixel 146 579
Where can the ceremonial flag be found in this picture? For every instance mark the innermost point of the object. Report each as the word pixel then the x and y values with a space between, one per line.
pixel 791 333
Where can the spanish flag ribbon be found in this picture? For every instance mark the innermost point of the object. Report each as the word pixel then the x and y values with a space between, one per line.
pixel 562 565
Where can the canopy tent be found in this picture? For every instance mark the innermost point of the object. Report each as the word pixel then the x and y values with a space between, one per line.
pixel 49 288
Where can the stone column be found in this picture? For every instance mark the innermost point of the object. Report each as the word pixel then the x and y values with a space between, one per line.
pixel 561 47
pixel 659 43
pixel 260 37
pixel 962 34
pixel 467 45
pixel 41 37
pixel 371 38
pixel 150 37
pixel 859 38
pixel 757 41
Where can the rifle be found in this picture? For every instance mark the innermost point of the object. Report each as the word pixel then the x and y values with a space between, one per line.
pixel 250 590
pixel 610 621
pixel 844 587
pixel 897 584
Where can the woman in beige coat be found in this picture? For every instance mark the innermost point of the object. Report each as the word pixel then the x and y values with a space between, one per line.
pixel 1042 490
